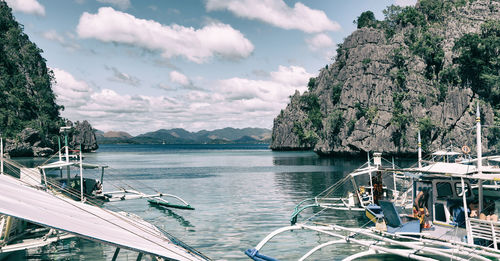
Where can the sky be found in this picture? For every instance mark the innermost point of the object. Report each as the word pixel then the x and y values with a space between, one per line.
pixel 143 65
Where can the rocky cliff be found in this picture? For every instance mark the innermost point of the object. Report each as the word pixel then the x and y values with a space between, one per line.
pixel 31 143
pixel 29 115
pixel 82 134
pixel 394 77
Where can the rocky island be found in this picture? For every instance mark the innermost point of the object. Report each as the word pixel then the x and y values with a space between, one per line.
pixel 29 116
pixel 421 68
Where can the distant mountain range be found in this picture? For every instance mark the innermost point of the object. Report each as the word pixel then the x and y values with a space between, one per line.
pixel 182 136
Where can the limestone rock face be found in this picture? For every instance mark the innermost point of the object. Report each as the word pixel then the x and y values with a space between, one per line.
pixel 284 137
pixel 28 143
pixel 82 134
pixel 368 104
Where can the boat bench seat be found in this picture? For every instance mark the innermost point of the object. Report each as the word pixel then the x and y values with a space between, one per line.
pixel 486 229
pixel 395 223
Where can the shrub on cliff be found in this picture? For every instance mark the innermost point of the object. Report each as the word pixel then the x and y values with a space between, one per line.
pixel 366 19
pixel 26 97
pixel 479 61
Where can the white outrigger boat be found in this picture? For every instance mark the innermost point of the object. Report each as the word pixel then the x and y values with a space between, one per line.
pixel 360 190
pixel 37 210
pixel 453 232
pixel 83 188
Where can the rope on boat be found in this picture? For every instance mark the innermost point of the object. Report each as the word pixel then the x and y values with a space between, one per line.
pixel 138 225
pixel 142 227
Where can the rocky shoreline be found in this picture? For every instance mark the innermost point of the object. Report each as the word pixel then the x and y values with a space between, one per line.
pixel 31 143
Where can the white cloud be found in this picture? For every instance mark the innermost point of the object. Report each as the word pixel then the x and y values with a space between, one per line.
pixel 53 35
pixel 26 6
pixel 197 45
pixel 320 41
pixel 111 102
pixel 322 44
pixel 236 102
pixel 282 84
pixel 70 92
pixel 278 13
pixel 405 2
pixel 294 76
pixel 122 4
pixel 56 37
pixel 177 77
pixel 123 77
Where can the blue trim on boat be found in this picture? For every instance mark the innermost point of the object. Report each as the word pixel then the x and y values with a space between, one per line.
pixel 255 255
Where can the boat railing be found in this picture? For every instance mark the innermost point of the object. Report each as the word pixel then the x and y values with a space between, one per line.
pixel 300 207
pixel 486 229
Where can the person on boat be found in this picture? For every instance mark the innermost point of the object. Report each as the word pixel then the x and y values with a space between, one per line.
pixel 488 212
pixel 97 187
pixel 420 209
pixel 474 209
pixel 378 189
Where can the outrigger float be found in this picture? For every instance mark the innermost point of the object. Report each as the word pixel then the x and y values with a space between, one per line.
pixel 38 208
pixel 461 225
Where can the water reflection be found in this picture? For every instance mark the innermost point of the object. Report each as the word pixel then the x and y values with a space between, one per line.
pixel 302 185
pixel 240 196
pixel 183 222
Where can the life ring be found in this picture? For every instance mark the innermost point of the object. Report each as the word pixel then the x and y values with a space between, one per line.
pixel 465 149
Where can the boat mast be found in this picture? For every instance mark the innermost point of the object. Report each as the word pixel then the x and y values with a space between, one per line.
pixel 395 192
pixel 370 173
pixel 470 239
pixel 81 175
pixel 1 153
pixel 59 145
pixel 419 150
pixel 65 130
pixel 479 157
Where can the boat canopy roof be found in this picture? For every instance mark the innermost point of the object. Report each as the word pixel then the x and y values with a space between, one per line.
pixel 456 170
pixel 494 158
pixel 448 168
pixel 445 153
pixel 97 224
pixel 61 163
pixel 363 171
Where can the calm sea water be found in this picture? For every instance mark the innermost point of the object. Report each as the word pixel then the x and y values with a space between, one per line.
pixel 241 193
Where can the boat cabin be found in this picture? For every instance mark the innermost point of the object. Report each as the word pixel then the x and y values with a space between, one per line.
pixel 445 201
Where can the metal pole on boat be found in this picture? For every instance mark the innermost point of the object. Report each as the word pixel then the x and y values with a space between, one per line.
pixel 479 157
pixel 470 240
pixel 115 255
pixel 60 155
pixel 59 144
pixel 371 182
pixel 64 130
pixel 1 153
pixel 419 150
pixel 395 191
pixel 66 146
pixel 81 174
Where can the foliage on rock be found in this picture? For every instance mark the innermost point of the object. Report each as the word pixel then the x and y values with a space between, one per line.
pixel 27 103
pixel 26 97
pixel 420 69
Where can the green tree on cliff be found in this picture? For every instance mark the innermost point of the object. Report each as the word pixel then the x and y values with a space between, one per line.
pixel 26 97
pixel 366 19
pixel 479 61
